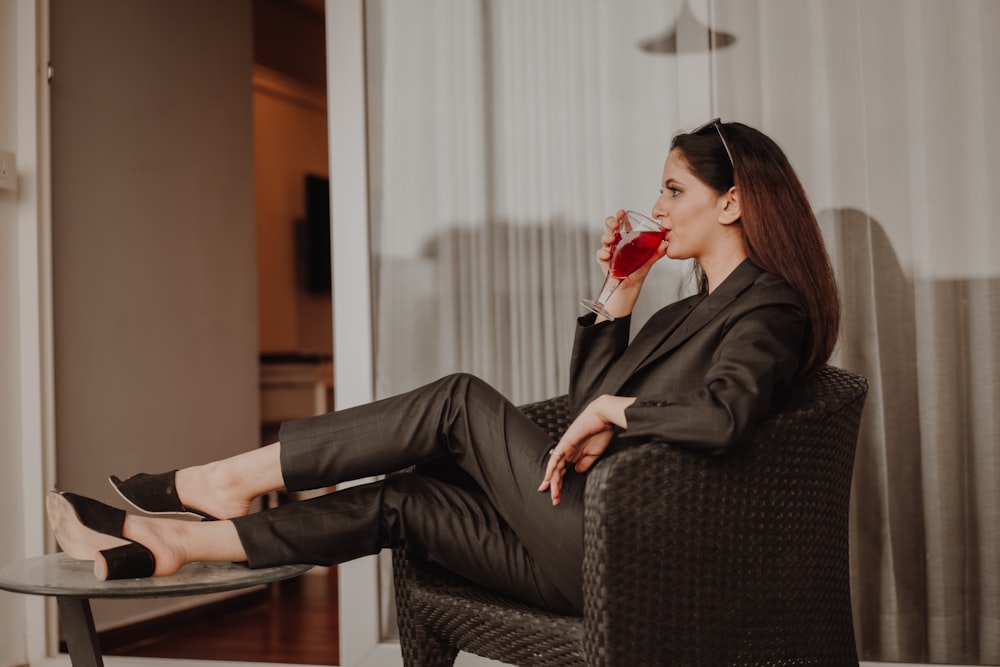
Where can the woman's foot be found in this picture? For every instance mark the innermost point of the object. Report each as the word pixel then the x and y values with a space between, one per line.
pixel 125 546
pixel 184 491
pixel 163 537
pixel 176 542
pixel 84 527
pixel 218 490
pixel 154 494
pixel 87 529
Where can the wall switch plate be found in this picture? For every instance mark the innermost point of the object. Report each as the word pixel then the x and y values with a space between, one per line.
pixel 8 171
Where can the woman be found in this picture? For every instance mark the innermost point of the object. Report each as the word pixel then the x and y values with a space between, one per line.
pixel 701 373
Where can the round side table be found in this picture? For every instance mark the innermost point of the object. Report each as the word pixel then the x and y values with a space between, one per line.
pixel 73 584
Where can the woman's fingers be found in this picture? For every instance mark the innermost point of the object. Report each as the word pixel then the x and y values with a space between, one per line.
pixel 556 491
pixel 550 470
pixel 612 222
pixel 554 471
pixel 547 479
pixel 585 462
pixel 609 238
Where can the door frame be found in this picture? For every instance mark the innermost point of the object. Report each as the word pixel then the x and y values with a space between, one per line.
pixel 353 379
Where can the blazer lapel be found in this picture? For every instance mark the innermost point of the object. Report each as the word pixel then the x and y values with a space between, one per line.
pixel 662 323
pixel 668 328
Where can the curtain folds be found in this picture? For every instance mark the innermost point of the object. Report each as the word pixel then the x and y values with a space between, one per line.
pixel 495 182
pixel 502 133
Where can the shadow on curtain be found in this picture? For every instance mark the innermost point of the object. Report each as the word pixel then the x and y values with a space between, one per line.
pixel 924 520
pixel 511 291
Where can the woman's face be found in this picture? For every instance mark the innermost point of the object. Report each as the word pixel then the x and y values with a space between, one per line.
pixel 689 210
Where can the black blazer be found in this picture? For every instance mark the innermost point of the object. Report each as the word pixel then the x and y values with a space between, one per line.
pixel 705 369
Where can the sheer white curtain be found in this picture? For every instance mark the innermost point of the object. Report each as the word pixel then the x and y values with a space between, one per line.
pixel 884 108
pixel 507 134
pixel 503 132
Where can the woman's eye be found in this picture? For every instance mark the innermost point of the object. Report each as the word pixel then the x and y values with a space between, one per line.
pixel 674 192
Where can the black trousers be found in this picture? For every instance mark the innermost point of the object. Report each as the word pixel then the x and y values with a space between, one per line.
pixel 498 531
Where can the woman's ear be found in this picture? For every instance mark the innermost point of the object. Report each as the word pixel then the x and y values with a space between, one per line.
pixel 730 211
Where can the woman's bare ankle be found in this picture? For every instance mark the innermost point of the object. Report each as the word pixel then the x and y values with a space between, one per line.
pixel 212 488
pixel 163 537
pixel 177 542
pixel 224 489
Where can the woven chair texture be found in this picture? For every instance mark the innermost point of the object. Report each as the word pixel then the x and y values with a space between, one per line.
pixel 689 559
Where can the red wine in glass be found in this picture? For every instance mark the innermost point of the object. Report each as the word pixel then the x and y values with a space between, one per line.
pixel 635 243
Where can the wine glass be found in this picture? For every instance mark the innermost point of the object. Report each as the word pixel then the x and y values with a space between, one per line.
pixel 636 240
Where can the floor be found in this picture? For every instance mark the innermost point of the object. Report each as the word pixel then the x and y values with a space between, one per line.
pixel 293 621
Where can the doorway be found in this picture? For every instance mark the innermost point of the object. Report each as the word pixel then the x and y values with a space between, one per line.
pixel 161 358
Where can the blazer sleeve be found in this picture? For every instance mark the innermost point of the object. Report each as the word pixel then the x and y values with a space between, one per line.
pixel 757 356
pixel 596 348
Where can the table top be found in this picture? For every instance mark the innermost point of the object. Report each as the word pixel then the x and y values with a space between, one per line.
pixel 58 574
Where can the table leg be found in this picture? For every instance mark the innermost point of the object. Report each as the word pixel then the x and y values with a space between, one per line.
pixel 78 629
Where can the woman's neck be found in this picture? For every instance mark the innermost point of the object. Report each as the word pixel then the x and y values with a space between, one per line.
pixel 718 266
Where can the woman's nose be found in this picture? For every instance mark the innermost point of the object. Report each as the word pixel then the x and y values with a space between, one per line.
pixel 659 212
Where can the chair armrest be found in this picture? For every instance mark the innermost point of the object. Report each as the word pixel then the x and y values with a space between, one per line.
pixel 743 552
pixel 552 415
pixel 631 499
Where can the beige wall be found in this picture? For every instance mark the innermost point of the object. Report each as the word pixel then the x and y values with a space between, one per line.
pixel 12 615
pixel 153 241
pixel 156 288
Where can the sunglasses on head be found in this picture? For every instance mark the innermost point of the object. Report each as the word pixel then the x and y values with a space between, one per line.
pixel 717 124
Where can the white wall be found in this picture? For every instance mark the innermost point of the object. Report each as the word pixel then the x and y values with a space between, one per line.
pixel 11 614
pixel 154 286
pixel 21 446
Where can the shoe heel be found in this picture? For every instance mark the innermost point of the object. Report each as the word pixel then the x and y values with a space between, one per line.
pixel 129 561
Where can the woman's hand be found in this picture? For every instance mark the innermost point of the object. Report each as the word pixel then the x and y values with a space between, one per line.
pixel 608 240
pixel 625 295
pixel 584 441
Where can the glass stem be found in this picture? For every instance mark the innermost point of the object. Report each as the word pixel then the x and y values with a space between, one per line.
pixel 610 285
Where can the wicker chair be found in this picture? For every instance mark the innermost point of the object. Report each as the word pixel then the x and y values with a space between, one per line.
pixel 690 559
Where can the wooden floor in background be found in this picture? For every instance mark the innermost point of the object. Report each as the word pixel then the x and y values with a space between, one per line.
pixel 294 621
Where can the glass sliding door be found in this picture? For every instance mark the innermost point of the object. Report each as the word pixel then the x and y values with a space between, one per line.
pixel 500 134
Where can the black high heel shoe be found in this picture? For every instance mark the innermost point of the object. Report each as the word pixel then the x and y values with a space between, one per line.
pixel 154 494
pixel 87 529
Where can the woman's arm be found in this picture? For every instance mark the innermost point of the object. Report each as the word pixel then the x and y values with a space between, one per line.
pixel 596 348
pixel 600 343
pixel 585 440
pixel 757 356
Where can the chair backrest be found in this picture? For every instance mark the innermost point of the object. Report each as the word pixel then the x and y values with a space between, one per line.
pixel 741 558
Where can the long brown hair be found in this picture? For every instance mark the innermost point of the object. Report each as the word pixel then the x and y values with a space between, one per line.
pixel 779 227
